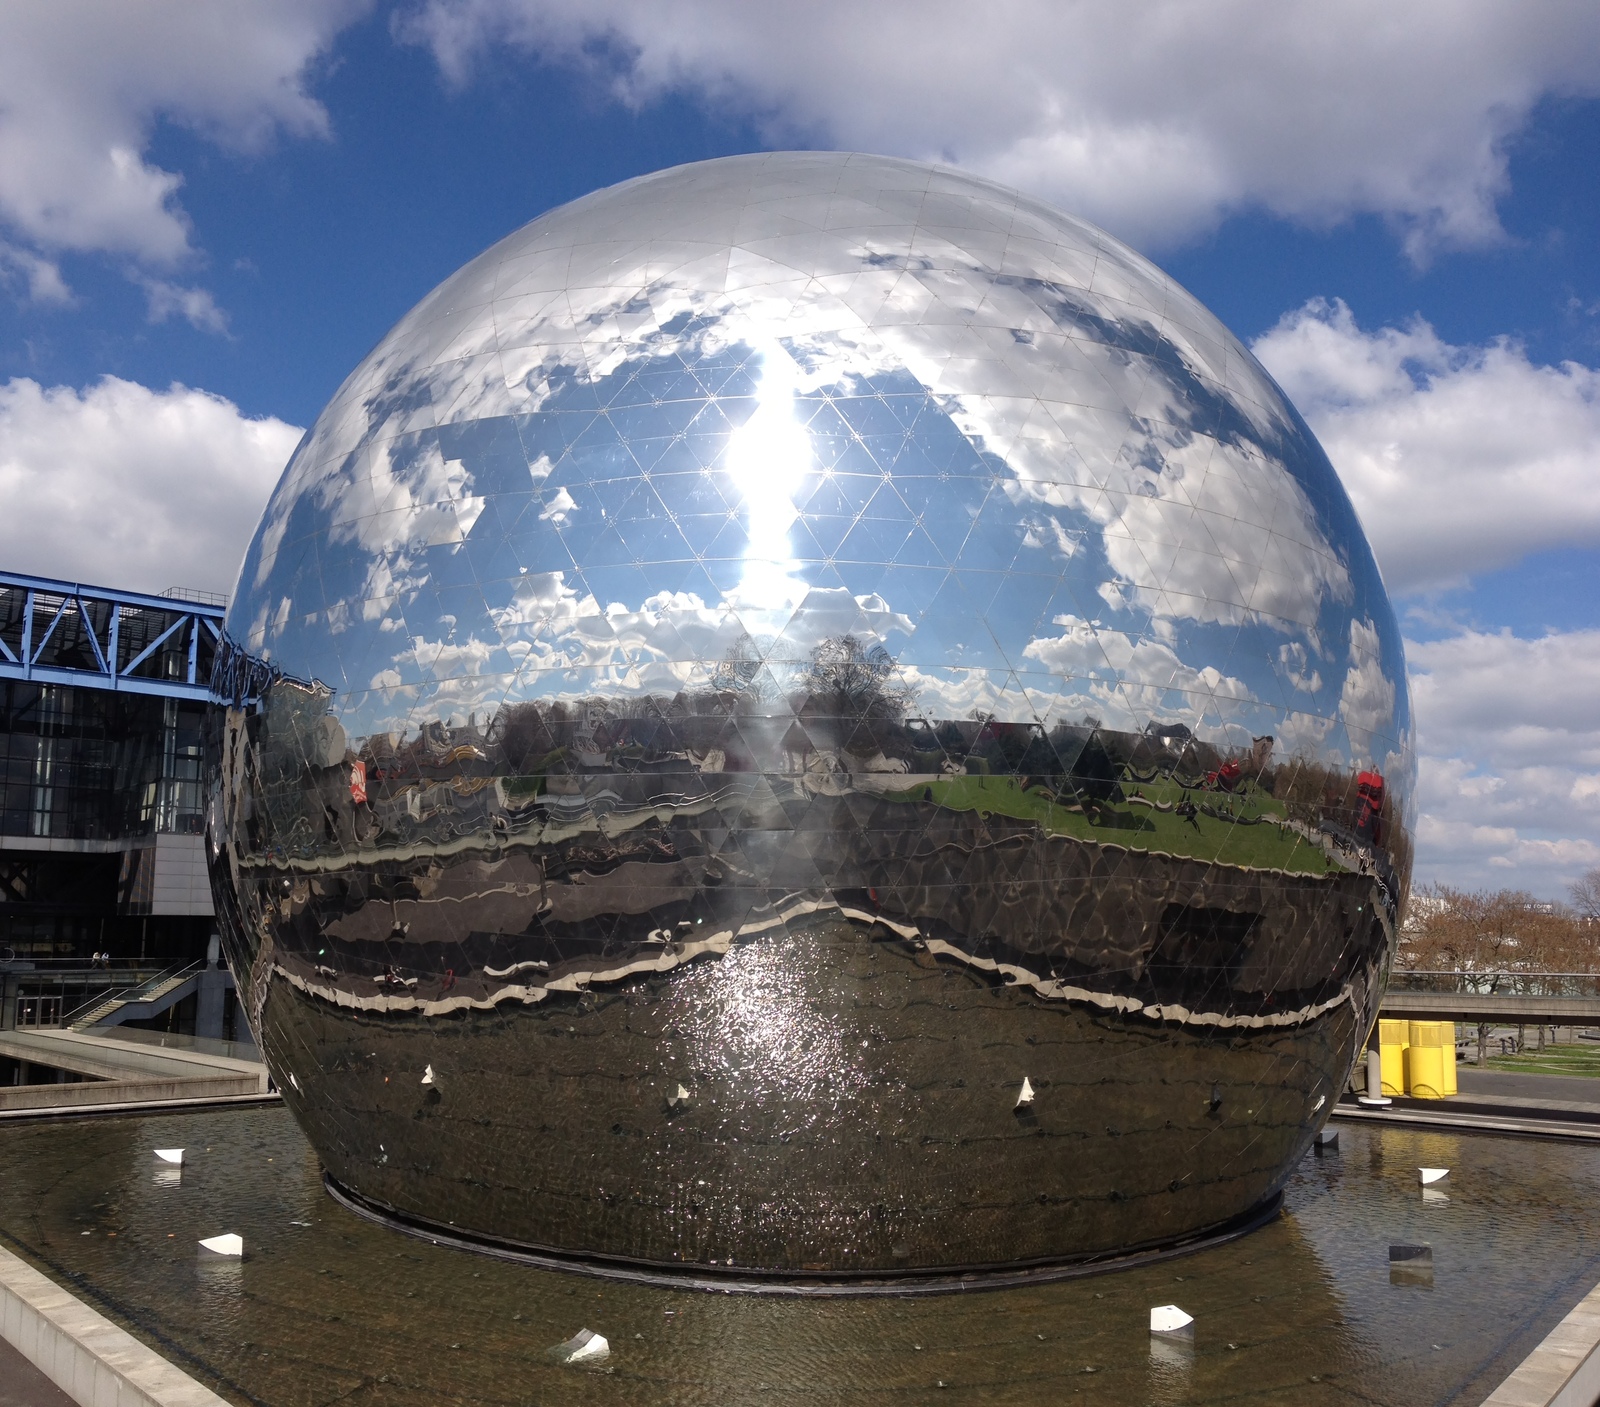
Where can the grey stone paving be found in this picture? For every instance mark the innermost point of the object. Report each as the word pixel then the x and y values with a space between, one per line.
pixel 23 1385
pixel 1576 1088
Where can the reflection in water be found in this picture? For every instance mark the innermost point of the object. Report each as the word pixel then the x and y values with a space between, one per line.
pixel 217 1279
pixel 765 632
pixel 327 1304
pixel 1171 1370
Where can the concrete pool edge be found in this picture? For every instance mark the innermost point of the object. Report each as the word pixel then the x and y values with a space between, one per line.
pixel 1449 1122
pixel 56 1112
pixel 1564 1370
pixel 92 1360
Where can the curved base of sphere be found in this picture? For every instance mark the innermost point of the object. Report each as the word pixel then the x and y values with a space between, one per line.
pixel 827 1095
pixel 746 1281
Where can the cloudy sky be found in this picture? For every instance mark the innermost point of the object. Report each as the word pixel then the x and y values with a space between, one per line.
pixel 210 211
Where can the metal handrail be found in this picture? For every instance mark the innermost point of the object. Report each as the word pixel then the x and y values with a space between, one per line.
pixel 171 974
pixel 1500 982
pixel 100 998
pixel 124 995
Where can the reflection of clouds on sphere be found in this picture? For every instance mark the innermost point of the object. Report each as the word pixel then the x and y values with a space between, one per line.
pixel 884 374
pixel 898 497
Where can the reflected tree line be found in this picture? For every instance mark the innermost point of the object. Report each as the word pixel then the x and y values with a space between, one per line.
pixel 845 711
pixel 848 710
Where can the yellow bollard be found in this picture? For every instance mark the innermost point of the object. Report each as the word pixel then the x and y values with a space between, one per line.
pixel 1393 1037
pixel 1424 1060
pixel 1448 1029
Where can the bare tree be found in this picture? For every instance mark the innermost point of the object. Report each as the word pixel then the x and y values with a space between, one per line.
pixel 854 691
pixel 1499 934
pixel 1503 937
pixel 1586 896
pixel 743 670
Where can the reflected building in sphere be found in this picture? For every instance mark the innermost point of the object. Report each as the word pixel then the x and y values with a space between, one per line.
pixel 762 663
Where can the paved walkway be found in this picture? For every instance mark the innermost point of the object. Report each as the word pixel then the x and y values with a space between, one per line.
pixel 1564 1371
pixel 1577 1088
pixel 105 1365
pixel 23 1385
pixel 1499 1101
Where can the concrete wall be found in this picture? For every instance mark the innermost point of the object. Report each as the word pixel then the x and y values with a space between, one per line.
pixel 87 1356
pixel 180 884
pixel 90 1093
pixel 1564 1371
pixel 122 1072
pixel 105 1058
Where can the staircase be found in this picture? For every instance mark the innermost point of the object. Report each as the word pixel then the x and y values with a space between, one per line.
pixel 94 1013
pixel 104 1011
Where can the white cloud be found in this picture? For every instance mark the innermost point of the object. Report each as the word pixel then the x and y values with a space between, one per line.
pixel 1154 120
pixel 1294 659
pixel 666 642
pixel 460 676
pixel 85 84
pixel 1366 703
pixel 1459 459
pixel 1534 698
pixel 123 486
pixel 194 305
pixel 558 507
pixel 1509 788
pixel 1133 680
pixel 401 495
pixel 1252 551
pixel 1304 734
pixel 38 275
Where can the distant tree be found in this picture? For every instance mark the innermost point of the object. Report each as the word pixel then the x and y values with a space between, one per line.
pixel 1505 931
pixel 743 671
pixel 853 691
pixel 1586 896
pixel 1504 936
pixel 518 734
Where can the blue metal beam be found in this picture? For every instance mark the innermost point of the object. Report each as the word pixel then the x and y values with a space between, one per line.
pixel 127 634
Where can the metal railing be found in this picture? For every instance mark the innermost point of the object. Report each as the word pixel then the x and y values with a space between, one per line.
pixel 123 996
pixel 167 1040
pixel 1497 984
pixel 54 967
pixel 202 598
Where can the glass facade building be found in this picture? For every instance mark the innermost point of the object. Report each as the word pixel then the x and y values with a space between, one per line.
pixel 101 730
pixel 813 714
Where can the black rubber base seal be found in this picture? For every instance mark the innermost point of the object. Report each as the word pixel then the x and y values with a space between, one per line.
pixel 742 1280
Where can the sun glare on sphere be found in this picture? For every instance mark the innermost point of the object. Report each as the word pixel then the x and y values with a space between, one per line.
pixel 768 457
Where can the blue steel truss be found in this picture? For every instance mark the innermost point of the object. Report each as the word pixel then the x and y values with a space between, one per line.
pixel 60 632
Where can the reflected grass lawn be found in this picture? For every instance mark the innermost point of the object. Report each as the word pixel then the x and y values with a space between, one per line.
pixel 1554 1060
pixel 1265 845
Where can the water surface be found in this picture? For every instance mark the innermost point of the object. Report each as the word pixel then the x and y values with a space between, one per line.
pixel 327 1307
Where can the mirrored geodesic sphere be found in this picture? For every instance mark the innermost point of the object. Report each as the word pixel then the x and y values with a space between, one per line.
pixel 767 666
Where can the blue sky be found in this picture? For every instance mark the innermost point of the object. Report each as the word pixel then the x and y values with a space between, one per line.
pixel 209 212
